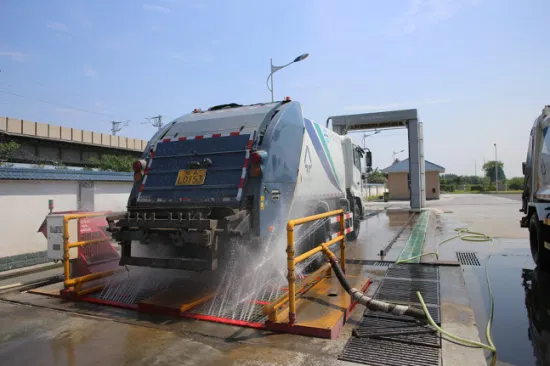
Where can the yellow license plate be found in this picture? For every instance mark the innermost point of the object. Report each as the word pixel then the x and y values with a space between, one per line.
pixel 191 177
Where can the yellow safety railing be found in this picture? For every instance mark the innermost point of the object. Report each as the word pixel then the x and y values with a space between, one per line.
pixel 272 309
pixel 76 283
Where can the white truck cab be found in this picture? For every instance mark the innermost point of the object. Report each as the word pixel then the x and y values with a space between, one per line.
pixel 536 191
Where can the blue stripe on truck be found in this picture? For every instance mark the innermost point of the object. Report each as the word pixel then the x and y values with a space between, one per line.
pixel 318 145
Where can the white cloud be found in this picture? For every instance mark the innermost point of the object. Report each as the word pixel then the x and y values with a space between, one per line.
pixel 89 71
pixel 60 27
pixel 14 55
pixel 157 8
pixel 389 106
pixel 424 13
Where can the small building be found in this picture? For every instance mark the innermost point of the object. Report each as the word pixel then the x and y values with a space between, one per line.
pixel 398 176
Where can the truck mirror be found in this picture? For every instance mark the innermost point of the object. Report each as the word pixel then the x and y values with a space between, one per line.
pixel 523 168
pixel 364 176
pixel 369 159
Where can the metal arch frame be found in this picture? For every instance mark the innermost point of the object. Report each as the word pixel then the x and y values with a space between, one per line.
pixel 407 118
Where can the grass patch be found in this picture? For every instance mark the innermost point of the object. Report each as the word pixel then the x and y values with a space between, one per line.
pixel 374 198
pixel 479 192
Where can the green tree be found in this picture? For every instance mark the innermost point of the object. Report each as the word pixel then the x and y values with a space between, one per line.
pixel 376 176
pixel 114 163
pixel 515 183
pixel 489 169
pixel 7 149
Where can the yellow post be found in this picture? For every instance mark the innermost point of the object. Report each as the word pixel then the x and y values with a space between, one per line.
pixel 66 254
pixel 291 277
pixel 343 242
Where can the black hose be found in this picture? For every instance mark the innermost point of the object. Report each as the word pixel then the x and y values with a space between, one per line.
pixel 370 303
pixel 341 276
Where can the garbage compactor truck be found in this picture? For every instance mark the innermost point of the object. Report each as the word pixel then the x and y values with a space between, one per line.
pixel 536 190
pixel 237 172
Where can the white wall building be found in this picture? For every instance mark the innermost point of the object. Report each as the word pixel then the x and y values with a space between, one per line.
pixel 24 196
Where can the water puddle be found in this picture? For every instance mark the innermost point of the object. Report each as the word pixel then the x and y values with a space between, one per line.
pixel 521 325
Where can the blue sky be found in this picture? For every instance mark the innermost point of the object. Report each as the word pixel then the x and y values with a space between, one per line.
pixel 476 70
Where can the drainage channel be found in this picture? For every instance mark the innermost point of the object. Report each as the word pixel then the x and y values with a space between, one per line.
pixel 389 340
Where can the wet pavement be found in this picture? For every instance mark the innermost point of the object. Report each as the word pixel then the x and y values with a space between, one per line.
pixel 518 342
pixel 42 330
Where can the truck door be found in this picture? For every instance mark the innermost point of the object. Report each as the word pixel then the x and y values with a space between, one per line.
pixel 357 163
pixel 544 164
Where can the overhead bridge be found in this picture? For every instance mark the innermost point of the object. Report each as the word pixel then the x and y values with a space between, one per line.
pixel 42 143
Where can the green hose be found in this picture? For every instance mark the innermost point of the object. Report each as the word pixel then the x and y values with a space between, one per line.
pixel 471 236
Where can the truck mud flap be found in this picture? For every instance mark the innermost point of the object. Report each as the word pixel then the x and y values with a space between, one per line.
pixel 187 264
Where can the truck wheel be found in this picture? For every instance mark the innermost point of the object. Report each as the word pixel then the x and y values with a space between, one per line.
pixel 356 223
pixel 537 235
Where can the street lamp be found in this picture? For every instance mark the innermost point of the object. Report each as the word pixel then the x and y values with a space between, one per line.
pixel 365 137
pixel 395 153
pixel 496 167
pixel 274 69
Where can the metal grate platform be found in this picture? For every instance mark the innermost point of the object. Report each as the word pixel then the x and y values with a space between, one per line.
pixel 397 330
pixel 363 262
pixel 413 271
pixel 434 311
pixel 468 259
pixel 371 351
pixel 404 291
pixel 384 339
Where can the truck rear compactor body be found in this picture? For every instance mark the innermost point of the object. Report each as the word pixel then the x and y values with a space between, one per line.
pixel 236 173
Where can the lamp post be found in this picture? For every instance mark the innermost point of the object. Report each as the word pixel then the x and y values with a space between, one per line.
pixel 274 69
pixel 496 167
pixel 365 137
pixel 395 153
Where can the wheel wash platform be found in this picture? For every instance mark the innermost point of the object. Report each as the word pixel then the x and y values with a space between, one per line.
pixel 314 305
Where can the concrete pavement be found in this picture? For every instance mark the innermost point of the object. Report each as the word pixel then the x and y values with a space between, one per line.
pixel 41 329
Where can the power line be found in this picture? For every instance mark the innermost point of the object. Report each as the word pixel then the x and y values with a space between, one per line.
pixel 155 121
pixel 118 125
pixel 57 105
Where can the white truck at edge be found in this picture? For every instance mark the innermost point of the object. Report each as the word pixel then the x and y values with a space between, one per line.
pixel 536 191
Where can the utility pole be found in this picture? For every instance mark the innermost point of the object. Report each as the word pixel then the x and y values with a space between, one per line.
pixel 118 125
pixel 475 168
pixel 496 167
pixel 156 121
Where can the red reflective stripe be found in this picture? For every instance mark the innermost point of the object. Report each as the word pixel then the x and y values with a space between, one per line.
pixel 217 135
pixel 245 163
pixel 146 171
pixel 152 154
pixel 166 140
pixel 234 134
pixel 249 144
pixel 241 183
pixel 141 187
pixel 182 139
pixel 200 137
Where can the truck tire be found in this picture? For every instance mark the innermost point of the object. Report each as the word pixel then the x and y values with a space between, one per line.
pixel 537 235
pixel 356 223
